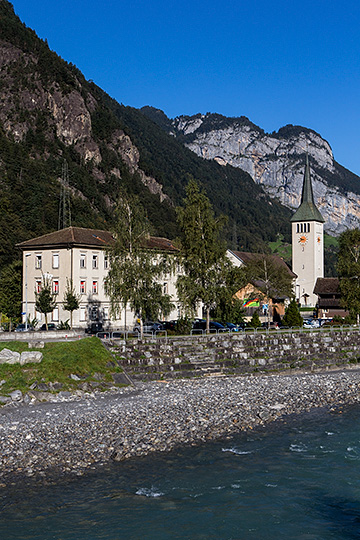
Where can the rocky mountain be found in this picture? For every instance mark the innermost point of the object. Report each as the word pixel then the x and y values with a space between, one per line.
pixel 275 161
pixel 50 113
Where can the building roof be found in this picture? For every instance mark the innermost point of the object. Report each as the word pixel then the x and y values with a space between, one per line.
pixel 81 237
pixel 327 286
pixel 246 257
pixel 307 210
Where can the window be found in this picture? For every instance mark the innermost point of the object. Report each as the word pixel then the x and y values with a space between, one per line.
pixel 56 286
pixel 297 228
pixel 38 285
pixel 106 313
pixel 55 260
pixel 106 262
pixel 82 260
pixel 95 287
pixel 55 314
pixel 165 288
pixel 38 262
pixel 94 261
pixel 83 314
pixel 82 287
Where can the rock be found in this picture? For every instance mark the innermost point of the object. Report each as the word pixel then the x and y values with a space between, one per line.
pixel 43 387
pixel 74 377
pixel 4 399
pixel 31 357
pixel 36 345
pixel 275 162
pixel 16 395
pixel 9 357
pixel 120 378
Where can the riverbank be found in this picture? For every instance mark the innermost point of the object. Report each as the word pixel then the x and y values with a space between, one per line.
pixel 73 436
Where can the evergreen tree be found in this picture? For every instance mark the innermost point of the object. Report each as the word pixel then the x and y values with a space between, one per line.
pixel 203 254
pixel 10 290
pixel 71 299
pixel 135 272
pixel 255 320
pixel 349 271
pixel 45 299
pixel 292 315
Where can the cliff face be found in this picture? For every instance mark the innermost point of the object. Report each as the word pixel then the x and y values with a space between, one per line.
pixel 277 162
pixel 65 114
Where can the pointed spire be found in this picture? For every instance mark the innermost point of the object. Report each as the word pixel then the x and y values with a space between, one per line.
pixel 307 210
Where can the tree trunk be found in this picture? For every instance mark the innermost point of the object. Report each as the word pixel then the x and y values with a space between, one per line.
pixel 207 320
pixel 141 328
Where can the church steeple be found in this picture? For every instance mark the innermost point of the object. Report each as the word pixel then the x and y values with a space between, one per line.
pixel 307 210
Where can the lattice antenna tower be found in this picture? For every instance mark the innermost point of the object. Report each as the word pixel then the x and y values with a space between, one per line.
pixel 64 206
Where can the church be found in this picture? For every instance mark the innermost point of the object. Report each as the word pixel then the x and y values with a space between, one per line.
pixel 307 244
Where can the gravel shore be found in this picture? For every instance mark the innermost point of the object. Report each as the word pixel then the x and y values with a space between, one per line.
pixel 76 435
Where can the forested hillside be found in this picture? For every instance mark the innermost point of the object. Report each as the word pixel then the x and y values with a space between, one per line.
pixel 49 113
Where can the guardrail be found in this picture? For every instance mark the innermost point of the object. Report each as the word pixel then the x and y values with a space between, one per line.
pixel 163 334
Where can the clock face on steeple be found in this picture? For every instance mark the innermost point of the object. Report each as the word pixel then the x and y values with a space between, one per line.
pixel 303 240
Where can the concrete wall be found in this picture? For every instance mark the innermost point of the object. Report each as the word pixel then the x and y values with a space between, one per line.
pixel 190 356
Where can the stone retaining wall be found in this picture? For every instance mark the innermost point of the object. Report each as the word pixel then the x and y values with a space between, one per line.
pixel 189 356
pixel 38 335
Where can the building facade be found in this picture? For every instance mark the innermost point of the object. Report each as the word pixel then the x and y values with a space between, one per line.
pixel 307 244
pixel 80 255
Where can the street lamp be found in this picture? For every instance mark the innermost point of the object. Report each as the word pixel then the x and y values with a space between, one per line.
pixel 26 287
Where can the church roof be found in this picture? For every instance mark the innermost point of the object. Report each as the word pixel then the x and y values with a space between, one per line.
pixel 307 210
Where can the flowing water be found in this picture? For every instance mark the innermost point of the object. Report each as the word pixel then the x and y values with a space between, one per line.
pixel 297 479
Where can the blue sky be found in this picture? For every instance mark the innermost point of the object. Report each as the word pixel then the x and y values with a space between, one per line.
pixel 277 62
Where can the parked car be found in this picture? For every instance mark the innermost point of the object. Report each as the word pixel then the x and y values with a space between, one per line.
pixel 94 328
pixel 51 326
pixel 169 325
pixel 232 327
pixel 149 327
pixel 22 328
pixel 312 323
pixel 213 326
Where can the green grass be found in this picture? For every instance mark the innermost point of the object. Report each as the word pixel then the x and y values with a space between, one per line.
pixel 330 241
pixel 281 248
pixel 83 358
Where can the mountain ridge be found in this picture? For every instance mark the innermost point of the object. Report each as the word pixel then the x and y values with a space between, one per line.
pixel 275 160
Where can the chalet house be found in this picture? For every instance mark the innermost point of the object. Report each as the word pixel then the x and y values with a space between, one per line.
pixel 329 295
pixel 251 294
pixel 79 254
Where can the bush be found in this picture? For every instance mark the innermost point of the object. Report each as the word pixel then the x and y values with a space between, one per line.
pixel 183 326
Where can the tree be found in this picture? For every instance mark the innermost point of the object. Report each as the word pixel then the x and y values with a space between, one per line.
pixel 228 307
pixel 135 271
pixel 45 299
pixel 203 254
pixel 292 315
pixel 270 276
pixel 255 320
pixel 348 268
pixel 71 299
pixel 10 290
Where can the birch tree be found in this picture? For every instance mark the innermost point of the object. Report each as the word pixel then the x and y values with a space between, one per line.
pixel 135 273
pixel 203 253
